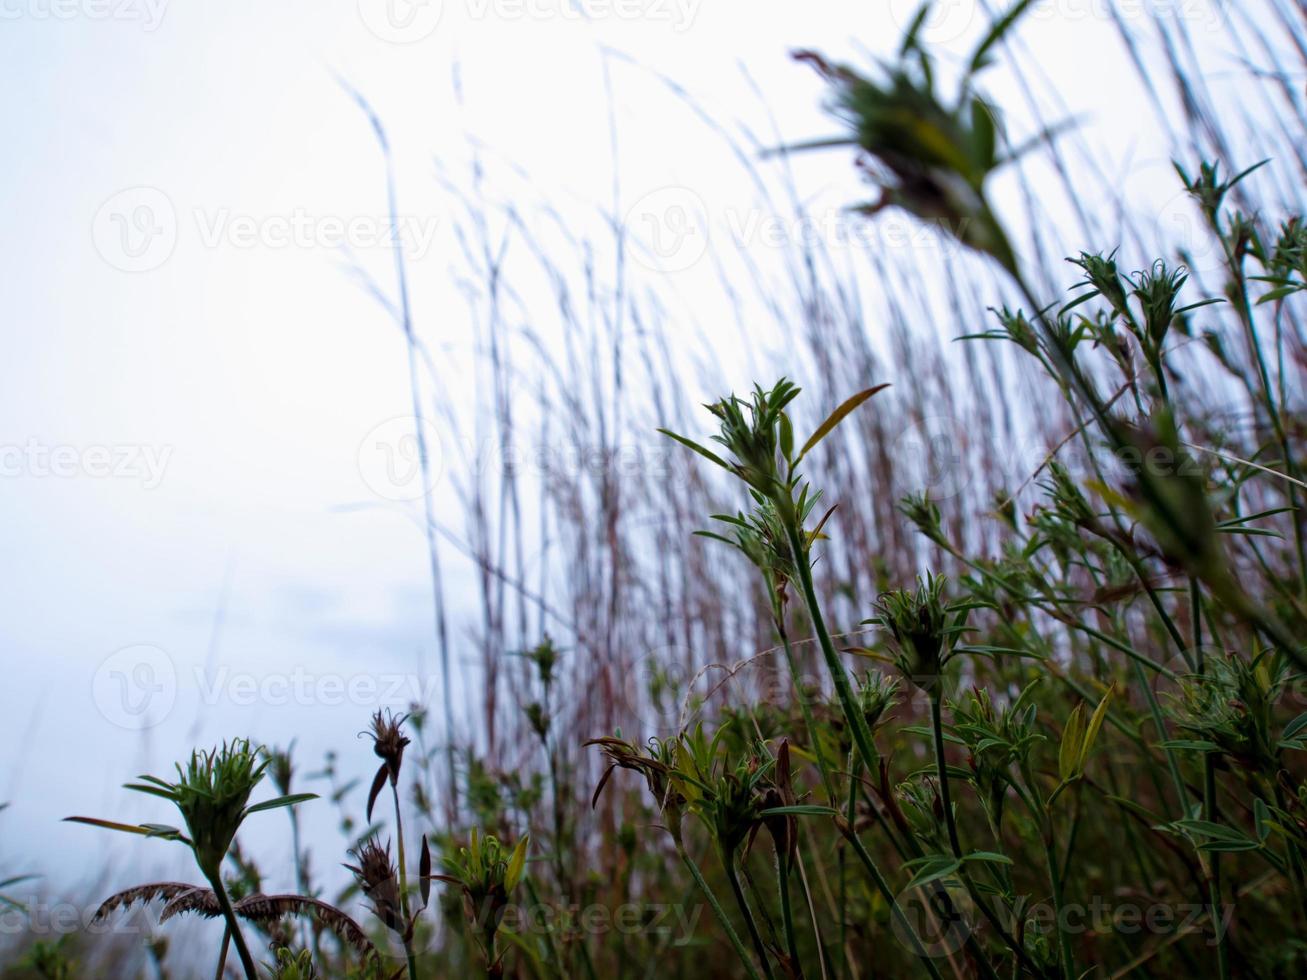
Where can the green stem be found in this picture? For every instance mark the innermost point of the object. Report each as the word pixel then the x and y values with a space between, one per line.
pixel 728 864
pixel 806 709
pixel 895 910
pixel 222 954
pixel 858 726
pixel 233 929
pixel 843 690
pixel 403 885
pixel 718 911
pixel 1214 861
pixel 941 765
pixel 1209 790
pixel 787 915
pixel 1055 881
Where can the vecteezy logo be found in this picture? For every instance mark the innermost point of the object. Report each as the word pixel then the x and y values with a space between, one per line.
pixel 928 457
pixel 400 21
pixel 1184 233
pixel 136 229
pixel 669 228
pixel 401 459
pixel 940 915
pixel 135 687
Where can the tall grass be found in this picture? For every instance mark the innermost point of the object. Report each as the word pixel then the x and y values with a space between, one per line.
pixel 900 711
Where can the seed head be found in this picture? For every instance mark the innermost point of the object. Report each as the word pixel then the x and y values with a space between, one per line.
pixel 389 741
pixel 377 876
pixel 921 626
pixel 211 793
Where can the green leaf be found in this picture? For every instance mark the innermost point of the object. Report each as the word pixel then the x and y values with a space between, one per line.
pixel 1261 819
pixel 1068 752
pixel 1091 730
pixel 787 436
pixel 1189 745
pixel 280 801
pixel 996 33
pixel 1227 846
pixel 705 453
pixel 835 418
pixel 799 810
pixel 992 856
pixel 516 863
pixel 1136 809
pixel 924 730
pixel 932 868
pixel 1280 292
pixel 1294 727
pixel 163 830
pixel 126 828
pixel 1220 837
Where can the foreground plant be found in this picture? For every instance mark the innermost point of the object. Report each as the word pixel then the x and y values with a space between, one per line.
pixel 388 743
pixel 487 872
pixel 212 794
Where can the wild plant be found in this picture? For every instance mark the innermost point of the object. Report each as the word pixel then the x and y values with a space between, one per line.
pixel 212 795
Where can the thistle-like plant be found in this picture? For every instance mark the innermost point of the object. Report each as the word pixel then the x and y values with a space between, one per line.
pixel 1229 709
pixel 212 794
pixel 487 871
pixel 924 628
pixel 930 156
pixel 656 761
pixel 691 775
pixel 999 740
pixel 388 743
pixel 291 965
pixel 382 885
pixel 759 439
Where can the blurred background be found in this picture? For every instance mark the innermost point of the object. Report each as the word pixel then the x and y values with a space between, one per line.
pixel 216 517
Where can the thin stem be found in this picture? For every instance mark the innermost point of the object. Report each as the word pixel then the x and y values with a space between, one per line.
pixel 843 690
pixel 307 932
pixel 1209 790
pixel 787 915
pixel 1214 864
pixel 895 909
pixel 806 709
pixel 732 876
pixel 941 766
pixel 1055 881
pixel 861 734
pixel 222 953
pixel 718 911
pixel 233 929
pixel 403 884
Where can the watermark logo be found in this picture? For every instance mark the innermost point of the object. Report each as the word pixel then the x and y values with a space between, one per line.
pixel 401 459
pixel 39 460
pixel 401 21
pixel 668 228
pixel 928 458
pixel 1181 231
pixel 136 229
pixel 148 13
pixel 939 915
pixel 135 687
